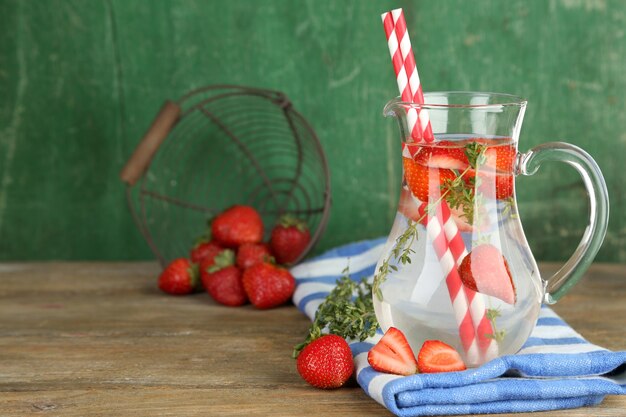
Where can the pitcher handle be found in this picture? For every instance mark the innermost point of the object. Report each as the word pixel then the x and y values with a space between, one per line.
pixel 570 273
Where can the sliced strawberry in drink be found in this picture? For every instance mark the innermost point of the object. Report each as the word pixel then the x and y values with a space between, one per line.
pixel 392 354
pixel 425 182
pixel 407 206
pixel 491 184
pixel 501 158
pixel 436 356
pixel 485 270
pixel 504 186
pixel 445 154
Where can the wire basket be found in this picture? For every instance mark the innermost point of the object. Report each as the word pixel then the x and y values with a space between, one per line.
pixel 218 146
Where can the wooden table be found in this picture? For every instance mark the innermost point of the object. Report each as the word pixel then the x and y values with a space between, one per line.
pixel 99 339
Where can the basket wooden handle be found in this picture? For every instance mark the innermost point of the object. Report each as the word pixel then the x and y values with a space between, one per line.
pixel 149 144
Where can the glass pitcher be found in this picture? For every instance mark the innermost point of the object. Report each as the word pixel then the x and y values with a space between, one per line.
pixel 456 266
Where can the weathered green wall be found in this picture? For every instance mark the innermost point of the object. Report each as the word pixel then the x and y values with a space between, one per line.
pixel 81 80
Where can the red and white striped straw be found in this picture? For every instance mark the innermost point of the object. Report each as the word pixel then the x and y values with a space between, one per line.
pixel 409 85
pixel 435 227
pixel 488 347
pixel 469 308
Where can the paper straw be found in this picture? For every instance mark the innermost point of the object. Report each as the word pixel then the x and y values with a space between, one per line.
pixel 422 129
pixel 435 227
pixel 468 306
pixel 488 346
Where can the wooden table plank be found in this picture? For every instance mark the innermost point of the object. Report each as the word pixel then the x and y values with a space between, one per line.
pixel 99 339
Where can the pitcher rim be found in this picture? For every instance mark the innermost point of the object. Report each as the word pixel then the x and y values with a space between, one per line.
pixel 508 100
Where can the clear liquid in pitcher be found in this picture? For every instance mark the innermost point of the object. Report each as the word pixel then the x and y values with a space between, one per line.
pixel 456 266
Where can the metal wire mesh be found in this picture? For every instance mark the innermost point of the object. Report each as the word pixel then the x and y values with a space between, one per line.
pixel 231 145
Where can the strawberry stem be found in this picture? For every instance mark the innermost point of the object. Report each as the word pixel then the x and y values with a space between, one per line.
pixel 289 220
pixel 222 260
pixel 194 276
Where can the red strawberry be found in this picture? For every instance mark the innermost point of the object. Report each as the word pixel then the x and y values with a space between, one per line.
pixel 504 186
pixel 492 184
pixel 392 354
pixel 444 154
pixel 290 237
pixel 250 254
pixel 222 280
pixel 179 277
pixel 236 226
pixel 501 157
pixel 203 250
pixel 485 270
pixel 408 207
pixel 326 362
pixel 436 356
pixel 424 182
pixel 268 285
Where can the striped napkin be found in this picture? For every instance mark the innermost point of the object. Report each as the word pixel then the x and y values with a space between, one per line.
pixel 556 368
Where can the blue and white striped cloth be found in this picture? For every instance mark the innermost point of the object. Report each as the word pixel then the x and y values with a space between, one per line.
pixel 555 369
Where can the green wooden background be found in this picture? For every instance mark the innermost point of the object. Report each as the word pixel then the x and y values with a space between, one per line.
pixel 81 80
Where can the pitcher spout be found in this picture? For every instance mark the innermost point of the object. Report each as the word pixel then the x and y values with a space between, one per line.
pixel 393 109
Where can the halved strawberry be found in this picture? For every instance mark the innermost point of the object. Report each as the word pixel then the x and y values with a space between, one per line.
pixel 408 206
pixel 492 184
pixel 501 157
pixel 436 356
pixel 444 154
pixel 485 270
pixel 392 354
pixel 423 181
pixel 504 186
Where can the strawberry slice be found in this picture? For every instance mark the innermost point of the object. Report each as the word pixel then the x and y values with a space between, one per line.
pixel 425 182
pixel 485 270
pixel 504 186
pixel 436 356
pixel 408 206
pixel 392 354
pixel 492 184
pixel 501 157
pixel 445 155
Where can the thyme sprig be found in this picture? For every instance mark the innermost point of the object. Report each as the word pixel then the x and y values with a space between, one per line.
pixel 401 251
pixel 461 192
pixel 492 314
pixel 457 192
pixel 348 311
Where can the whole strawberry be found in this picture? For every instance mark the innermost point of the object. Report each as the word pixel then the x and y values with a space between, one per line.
pixel 289 239
pixel 326 362
pixel 205 250
pixel 179 277
pixel 222 279
pixel 268 285
pixel 250 254
pixel 236 226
